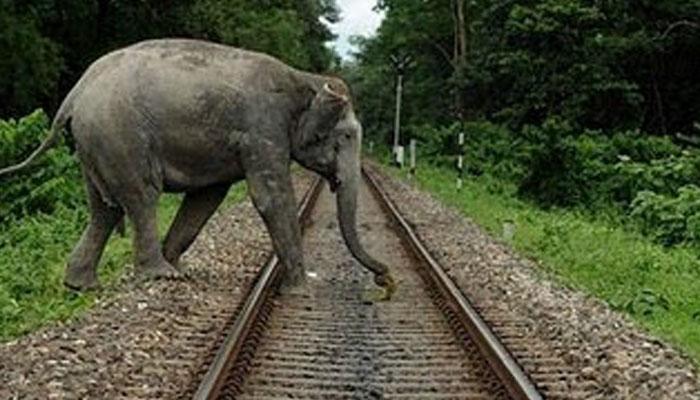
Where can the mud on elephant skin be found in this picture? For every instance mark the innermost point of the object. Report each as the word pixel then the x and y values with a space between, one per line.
pixel 195 117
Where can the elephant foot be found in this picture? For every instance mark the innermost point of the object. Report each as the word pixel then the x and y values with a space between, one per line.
pixel 81 279
pixel 387 283
pixel 160 270
pixel 292 282
pixel 173 260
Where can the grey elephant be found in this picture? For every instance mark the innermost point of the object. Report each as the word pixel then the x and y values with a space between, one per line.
pixel 191 116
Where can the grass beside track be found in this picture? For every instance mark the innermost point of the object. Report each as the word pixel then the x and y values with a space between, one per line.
pixel 33 255
pixel 657 287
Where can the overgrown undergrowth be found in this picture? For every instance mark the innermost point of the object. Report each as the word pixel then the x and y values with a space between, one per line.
pixel 33 254
pixel 43 211
pixel 657 286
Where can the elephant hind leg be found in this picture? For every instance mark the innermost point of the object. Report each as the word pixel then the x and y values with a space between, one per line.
pixel 141 208
pixel 81 272
pixel 195 210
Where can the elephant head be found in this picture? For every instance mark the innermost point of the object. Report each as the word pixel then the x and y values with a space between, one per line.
pixel 328 141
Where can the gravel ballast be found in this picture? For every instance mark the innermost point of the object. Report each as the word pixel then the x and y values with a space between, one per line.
pixel 621 360
pixel 148 340
pixel 145 340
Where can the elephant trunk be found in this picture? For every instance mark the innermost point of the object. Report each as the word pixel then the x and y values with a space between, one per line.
pixel 347 219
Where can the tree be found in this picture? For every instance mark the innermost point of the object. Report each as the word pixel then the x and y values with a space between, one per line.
pixel 610 65
pixel 414 27
pixel 48 44
pixel 30 64
pixel 460 51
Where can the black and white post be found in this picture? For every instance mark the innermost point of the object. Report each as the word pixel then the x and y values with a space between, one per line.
pixel 412 148
pixel 460 161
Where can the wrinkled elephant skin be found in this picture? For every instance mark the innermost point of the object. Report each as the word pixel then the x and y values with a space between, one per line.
pixel 195 117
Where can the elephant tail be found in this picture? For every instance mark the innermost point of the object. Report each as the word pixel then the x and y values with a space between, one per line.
pixel 60 121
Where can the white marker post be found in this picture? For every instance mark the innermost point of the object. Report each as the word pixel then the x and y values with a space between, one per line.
pixel 399 156
pixel 413 157
pixel 397 114
pixel 460 160
pixel 459 173
pixel 508 230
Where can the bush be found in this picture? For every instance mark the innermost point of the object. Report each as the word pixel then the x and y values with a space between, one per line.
pixel 664 176
pixel 51 181
pixel 437 145
pixel 565 169
pixel 669 219
pixel 593 170
pixel 646 179
pixel 488 148
pixel 556 165
pixel 494 150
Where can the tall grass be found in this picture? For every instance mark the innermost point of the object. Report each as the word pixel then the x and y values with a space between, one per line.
pixel 43 212
pixel 657 286
pixel 33 254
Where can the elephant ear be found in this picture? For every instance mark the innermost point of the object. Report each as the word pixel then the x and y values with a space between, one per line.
pixel 334 93
pixel 325 111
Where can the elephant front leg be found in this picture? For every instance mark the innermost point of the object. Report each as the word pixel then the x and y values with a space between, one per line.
pixel 273 197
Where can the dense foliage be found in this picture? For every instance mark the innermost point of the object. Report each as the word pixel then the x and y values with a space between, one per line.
pixel 53 182
pixel 41 211
pixel 47 44
pixel 613 65
pixel 574 102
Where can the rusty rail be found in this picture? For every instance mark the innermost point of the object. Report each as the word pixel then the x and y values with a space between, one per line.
pixel 215 377
pixel 517 383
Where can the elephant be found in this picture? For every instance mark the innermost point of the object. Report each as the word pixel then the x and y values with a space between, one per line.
pixel 183 115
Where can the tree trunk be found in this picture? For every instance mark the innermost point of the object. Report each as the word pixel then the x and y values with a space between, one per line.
pixel 460 51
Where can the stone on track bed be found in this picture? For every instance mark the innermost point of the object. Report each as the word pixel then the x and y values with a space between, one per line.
pixel 137 343
pixel 145 341
pixel 616 359
pixel 330 341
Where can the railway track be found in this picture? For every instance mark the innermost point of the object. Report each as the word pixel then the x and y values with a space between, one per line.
pixel 332 341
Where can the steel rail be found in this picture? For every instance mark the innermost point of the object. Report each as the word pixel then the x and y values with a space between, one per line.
pixel 215 377
pixel 516 382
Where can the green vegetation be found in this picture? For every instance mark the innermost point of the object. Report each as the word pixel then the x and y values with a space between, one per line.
pixel 647 183
pixel 571 102
pixel 43 213
pixel 571 110
pixel 554 95
pixel 46 45
pixel 657 286
pixel 612 65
